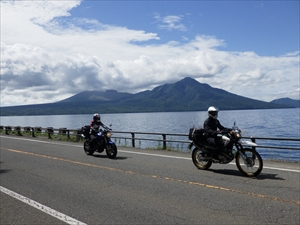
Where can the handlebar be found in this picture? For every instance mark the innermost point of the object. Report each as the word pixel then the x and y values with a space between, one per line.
pixel 225 131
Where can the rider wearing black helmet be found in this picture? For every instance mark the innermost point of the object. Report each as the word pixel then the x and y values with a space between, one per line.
pixel 96 122
pixel 211 126
pixel 95 125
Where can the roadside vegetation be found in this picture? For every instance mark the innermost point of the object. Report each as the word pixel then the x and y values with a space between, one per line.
pixel 74 137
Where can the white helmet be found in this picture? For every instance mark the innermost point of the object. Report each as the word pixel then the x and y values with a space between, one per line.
pixel 213 112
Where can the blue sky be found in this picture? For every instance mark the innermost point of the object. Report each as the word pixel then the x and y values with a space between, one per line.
pixel 51 50
pixel 265 27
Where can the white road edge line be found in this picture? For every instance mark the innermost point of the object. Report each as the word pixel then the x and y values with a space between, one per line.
pixel 149 154
pixel 43 208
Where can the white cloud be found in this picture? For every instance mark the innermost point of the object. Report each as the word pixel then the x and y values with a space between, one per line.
pixel 49 58
pixel 170 22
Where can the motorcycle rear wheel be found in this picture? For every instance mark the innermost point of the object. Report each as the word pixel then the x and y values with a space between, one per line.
pixel 252 165
pixel 87 148
pixel 199 161
pixel 111 151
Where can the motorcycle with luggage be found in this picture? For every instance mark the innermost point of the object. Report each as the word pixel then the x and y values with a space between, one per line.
pixel 98 140
pixel 247 159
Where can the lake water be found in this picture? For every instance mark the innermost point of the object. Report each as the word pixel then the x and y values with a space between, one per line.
pixel 257 123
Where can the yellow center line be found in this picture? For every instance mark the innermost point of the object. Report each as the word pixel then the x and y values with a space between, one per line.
pixel 156 176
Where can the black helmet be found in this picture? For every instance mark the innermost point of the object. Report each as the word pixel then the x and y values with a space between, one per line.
pixel 213 112
pixel 97 118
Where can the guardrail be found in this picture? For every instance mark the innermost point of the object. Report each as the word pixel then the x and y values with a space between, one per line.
pixel 35 130
pixel 50 131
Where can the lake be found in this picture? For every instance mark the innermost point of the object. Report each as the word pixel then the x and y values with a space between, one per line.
pixel 256 123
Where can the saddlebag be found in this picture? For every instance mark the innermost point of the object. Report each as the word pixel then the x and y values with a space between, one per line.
pixel 85 130
pixel 197 134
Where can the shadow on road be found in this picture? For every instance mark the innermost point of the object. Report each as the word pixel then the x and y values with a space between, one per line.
pixel 4 171
pixel 227 172
pixel 262 176
pixel 106 157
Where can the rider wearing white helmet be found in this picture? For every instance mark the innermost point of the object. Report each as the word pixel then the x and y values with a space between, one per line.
pixel 211 126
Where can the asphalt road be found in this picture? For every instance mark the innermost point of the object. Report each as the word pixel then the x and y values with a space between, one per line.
pixel 54 182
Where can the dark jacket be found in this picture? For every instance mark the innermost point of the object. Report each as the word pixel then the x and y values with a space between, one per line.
pixel 211 126
pixel 93 123
pixel 95 126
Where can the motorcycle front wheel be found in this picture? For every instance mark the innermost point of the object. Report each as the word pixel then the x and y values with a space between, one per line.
pixel 199 161
pixel 249 162
pixel 111 151
pixel 87 148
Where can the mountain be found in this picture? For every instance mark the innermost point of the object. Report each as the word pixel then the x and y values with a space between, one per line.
pixel 287 102
pixel 184 95
pixel 190 95
pixel 96 96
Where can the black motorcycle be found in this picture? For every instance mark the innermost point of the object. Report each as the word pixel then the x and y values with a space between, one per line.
pixel 247 160
pixel 99 141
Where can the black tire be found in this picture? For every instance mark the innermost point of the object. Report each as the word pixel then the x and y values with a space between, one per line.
pixel 111 151
pixel 252 165
pixel 199 161
pixel 87 149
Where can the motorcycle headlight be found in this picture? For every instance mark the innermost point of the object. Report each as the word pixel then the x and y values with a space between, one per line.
pixel 108 134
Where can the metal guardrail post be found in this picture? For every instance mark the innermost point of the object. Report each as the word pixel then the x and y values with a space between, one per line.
pixel 253 140
pixel 7 129
pixel 164 142
pixel 50 131
pixel 27 129
pixel 133 140
pixel 64 131
pixel 38 129
pixel 18 129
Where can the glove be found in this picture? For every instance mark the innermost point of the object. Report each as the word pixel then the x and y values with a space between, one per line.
pixel 225 131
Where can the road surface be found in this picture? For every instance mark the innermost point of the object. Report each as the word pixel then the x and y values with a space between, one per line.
pixel 54 182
